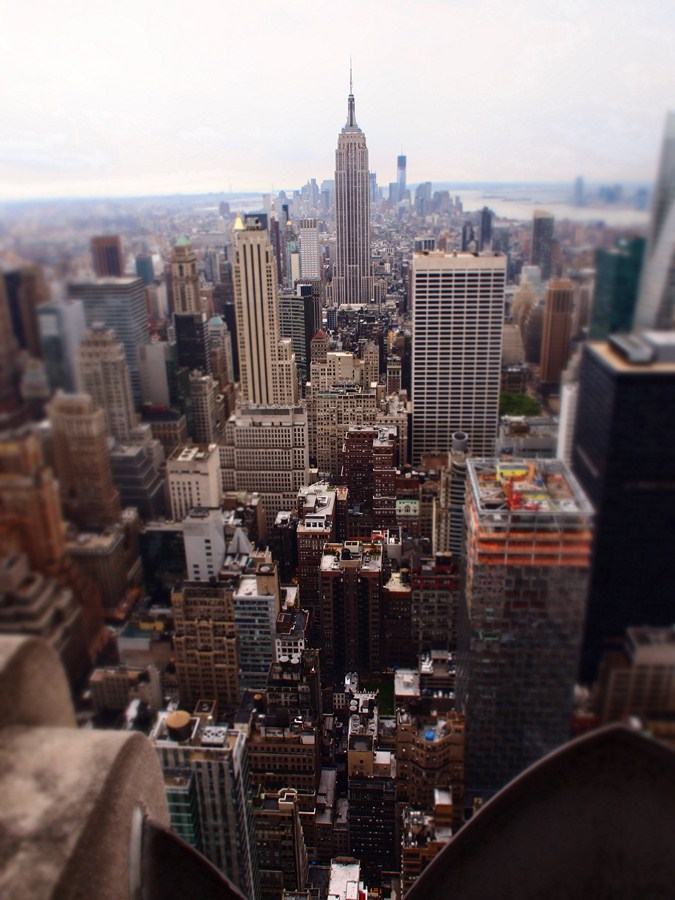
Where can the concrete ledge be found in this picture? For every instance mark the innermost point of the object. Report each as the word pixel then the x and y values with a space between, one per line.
pixel 66 814
pixel 67 796
pixel 33 686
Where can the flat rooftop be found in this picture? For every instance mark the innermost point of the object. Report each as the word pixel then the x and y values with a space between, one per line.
pixel 406 683
pixel 366 554
pixel 660 346
pixel 647 636
pixel 291 623
pixel 196 453
pixel 108 282
pixel 344 879
pixel 520 491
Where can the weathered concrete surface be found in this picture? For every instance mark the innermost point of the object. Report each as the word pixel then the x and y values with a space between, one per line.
pixel 593 819
pixel 33 686
pixel 66 796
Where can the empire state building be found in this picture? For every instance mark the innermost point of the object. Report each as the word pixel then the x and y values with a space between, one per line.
pixel 352 281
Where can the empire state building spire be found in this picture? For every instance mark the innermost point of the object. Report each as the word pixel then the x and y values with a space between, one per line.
pixel 351 113
pixel 352 282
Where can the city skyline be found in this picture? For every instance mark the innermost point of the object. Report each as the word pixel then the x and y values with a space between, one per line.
pixel 113 108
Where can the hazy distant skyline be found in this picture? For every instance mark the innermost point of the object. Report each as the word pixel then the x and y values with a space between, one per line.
pixel 146 98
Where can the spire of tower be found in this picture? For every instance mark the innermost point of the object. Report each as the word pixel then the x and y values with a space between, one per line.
pixel 351 113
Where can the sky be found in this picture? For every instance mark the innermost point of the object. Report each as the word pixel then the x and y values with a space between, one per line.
pixel 146 97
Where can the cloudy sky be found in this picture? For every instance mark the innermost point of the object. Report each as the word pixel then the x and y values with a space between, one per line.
pixel 155 96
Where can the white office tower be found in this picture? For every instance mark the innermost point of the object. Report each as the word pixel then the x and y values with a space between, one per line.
pixel 656 299
pixel 458 319
pixel 206 777
pixel 257 603
pixel 266 361
pixel 352 281
pixel 569 398
pixel 265 450
pixel 193 473
pixel 310 252
pixel 204 541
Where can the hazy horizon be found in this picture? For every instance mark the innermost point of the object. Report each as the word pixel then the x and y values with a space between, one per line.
pixel 135 100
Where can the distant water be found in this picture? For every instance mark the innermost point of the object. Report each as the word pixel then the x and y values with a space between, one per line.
pixel 517 203
pixel 520 204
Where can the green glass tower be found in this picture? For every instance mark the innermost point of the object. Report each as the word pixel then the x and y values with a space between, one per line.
pixel 617 278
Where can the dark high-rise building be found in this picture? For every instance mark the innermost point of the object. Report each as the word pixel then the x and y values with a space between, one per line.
pixel 282 541
pixel 228 311
pixel 351 593
pixel 485 228
pixel 542 242
pixel 317 511
pixel 192 341
pixel 145 268
pixel 299 320
pixel 435 593
pixel 106 254
pixel 468 236
pixel 11 410
pixel 623 456
pixel 617 278
pixel 281 845
pixel 137 480
pixel 26 291
pixel 372 791
pixel 400 176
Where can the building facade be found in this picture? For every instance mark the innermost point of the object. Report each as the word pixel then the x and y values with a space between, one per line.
pixel 625 429
pixel 266 361
pixel 185 278
pixel 193 474
pixel 525 578
pixel 265 449
pixel 106 252
pixel 80 451
pixel 458 316
pixel 213 758
pixel 556 331
pixel 120 304
pixel 205 644
pixel 542 243
pixel 104 375
pixel 352 279
pixel 656 300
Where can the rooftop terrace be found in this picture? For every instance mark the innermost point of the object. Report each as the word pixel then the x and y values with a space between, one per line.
pixel 522 491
